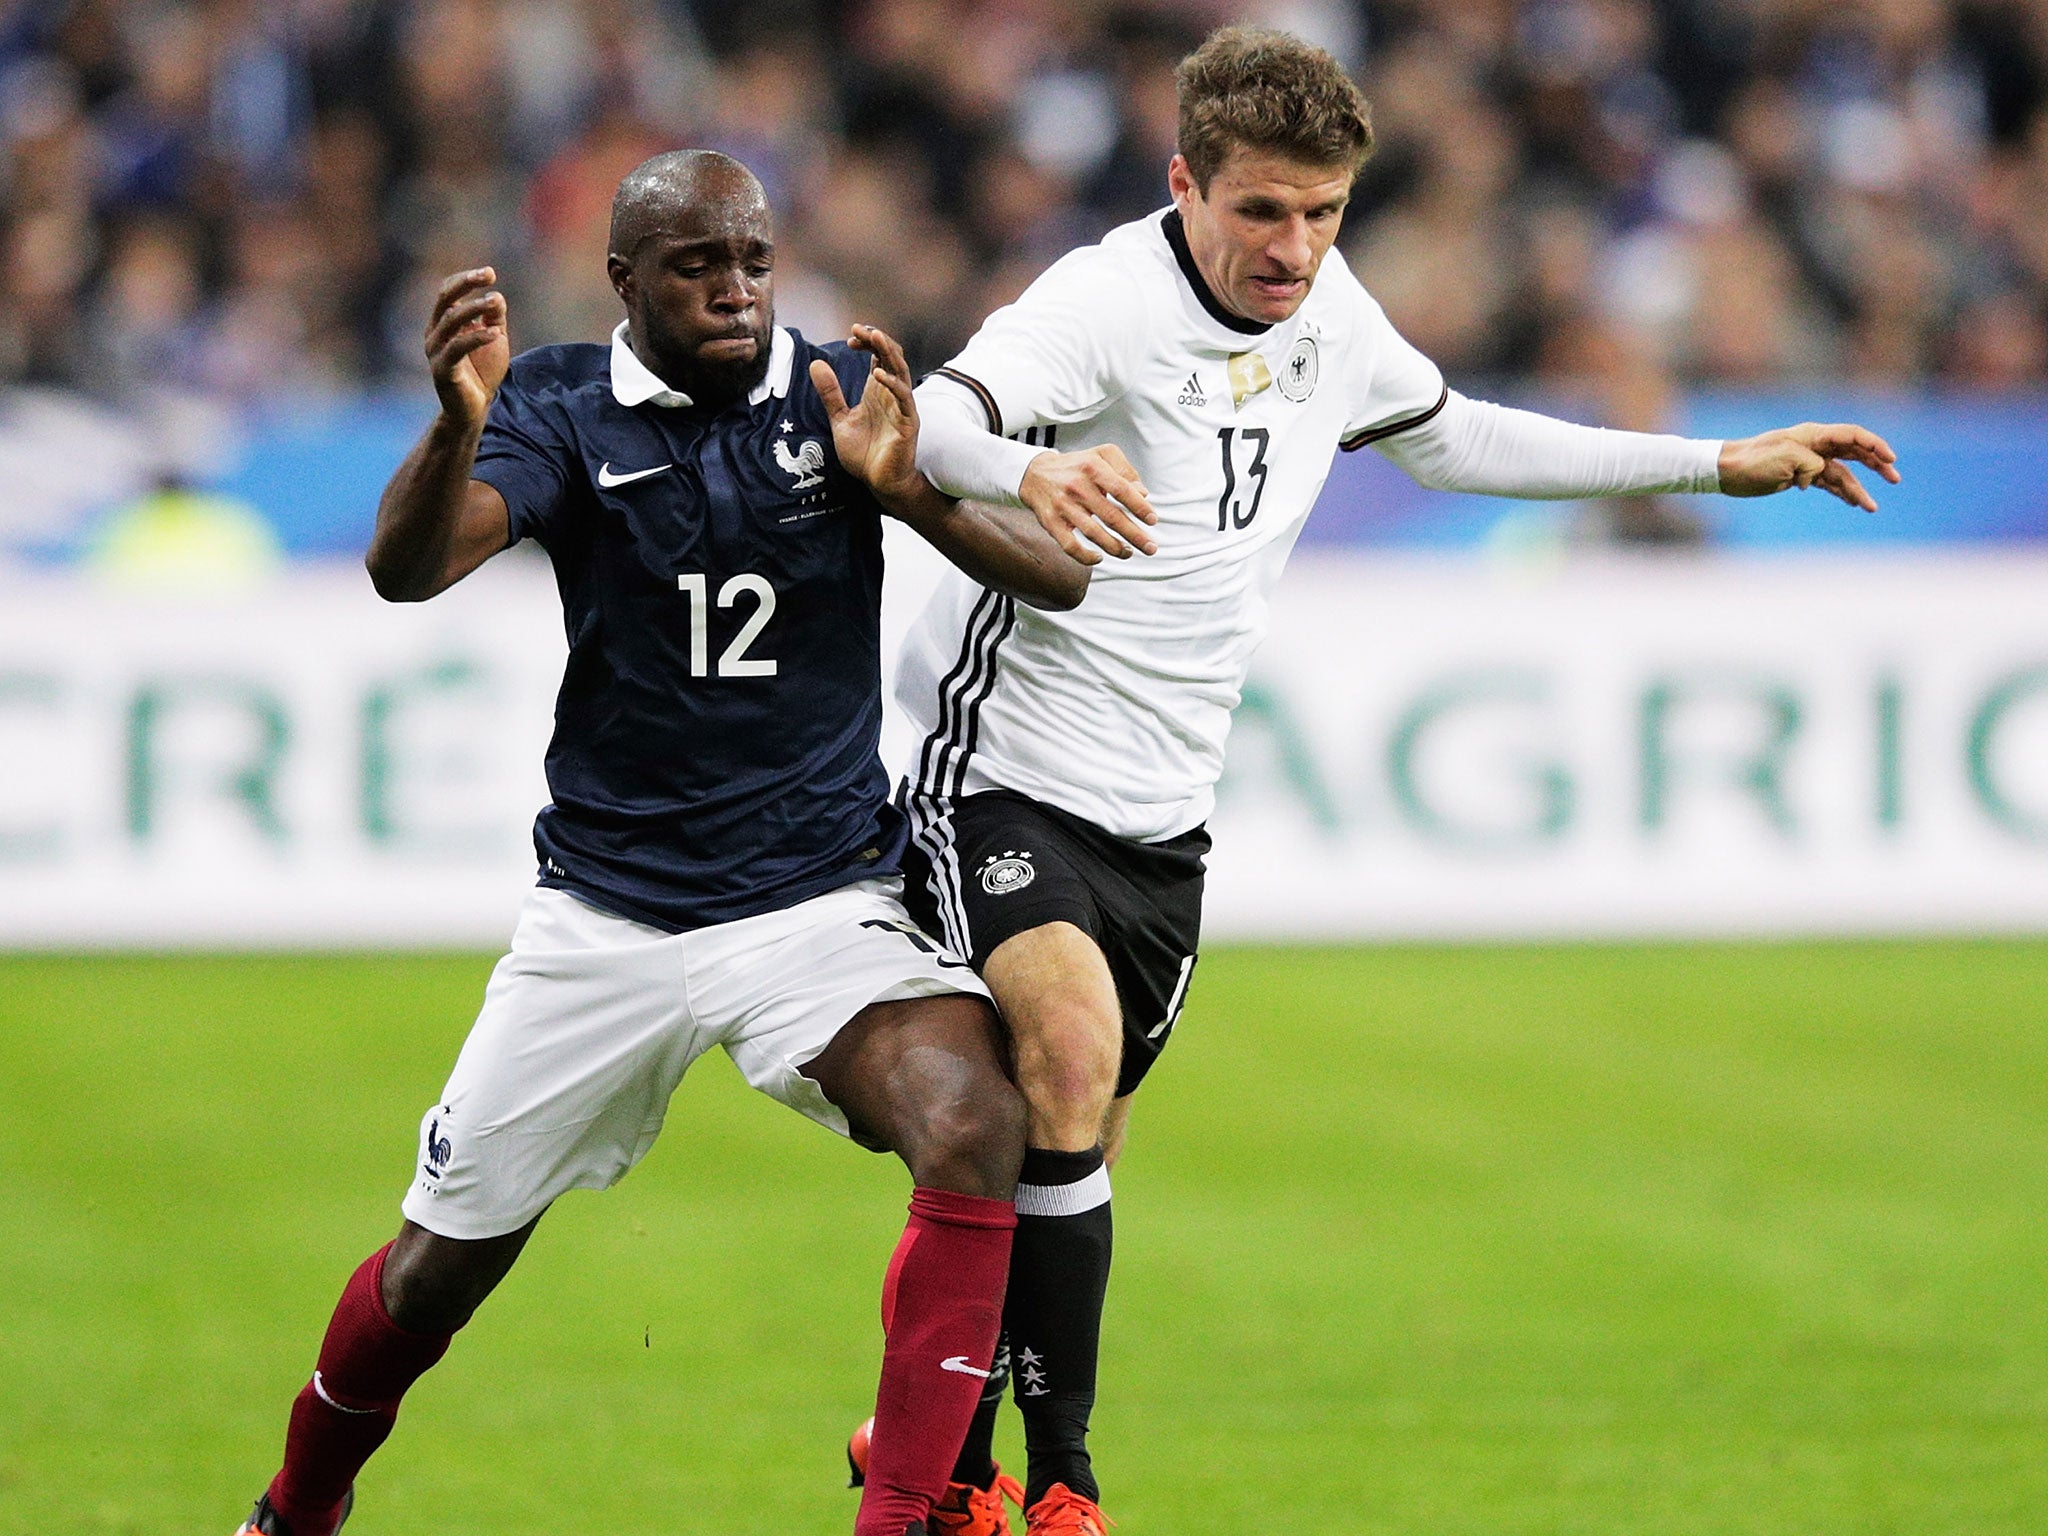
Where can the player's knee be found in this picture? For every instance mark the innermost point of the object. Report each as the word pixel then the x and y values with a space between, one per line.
pixel 972 1143
pixel 1070 1089
pixel 422 1293
pixel 433 1285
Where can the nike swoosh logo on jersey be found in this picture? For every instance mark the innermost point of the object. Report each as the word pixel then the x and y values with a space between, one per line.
pixel 608 479
pixel 958 1365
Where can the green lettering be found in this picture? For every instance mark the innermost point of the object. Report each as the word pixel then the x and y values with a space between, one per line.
pixel 1265 709
pixel 1759 773
pixel 1551 792
pixel 252 783
pixel 2004 811
pixel 381 767
pixel 1891 706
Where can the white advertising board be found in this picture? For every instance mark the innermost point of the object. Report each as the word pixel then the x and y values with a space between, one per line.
pixel 1428 748
pixel 1643 745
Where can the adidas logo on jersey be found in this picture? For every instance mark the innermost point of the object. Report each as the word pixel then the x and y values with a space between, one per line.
pixel 1191 392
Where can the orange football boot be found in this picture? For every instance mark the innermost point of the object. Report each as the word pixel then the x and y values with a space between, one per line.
pixel 966 1510
pixel 962 1510
pixel 1063 1512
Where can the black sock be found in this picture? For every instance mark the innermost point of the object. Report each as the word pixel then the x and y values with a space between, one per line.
pixel 977 1463
pixel 1059 1272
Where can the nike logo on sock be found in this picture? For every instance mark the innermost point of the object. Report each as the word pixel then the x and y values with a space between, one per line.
pixel 959 1366
pixel 608 477
pixel 320 1391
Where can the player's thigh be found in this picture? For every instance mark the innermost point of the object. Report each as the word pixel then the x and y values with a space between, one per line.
pixel 565 1077
pixel 1060 1007
pixel 925 1077
pixel 1055 990
pixel 1009 879
pixel 779 989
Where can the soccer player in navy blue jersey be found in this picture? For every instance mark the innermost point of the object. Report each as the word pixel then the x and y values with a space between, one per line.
pixel 718 862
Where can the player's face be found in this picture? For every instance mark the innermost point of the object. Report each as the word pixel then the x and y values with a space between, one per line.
pixel 1262 229
pixel 699 299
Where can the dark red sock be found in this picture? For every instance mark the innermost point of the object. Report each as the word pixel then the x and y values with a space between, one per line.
pixel 942 1306
pixel 366 1363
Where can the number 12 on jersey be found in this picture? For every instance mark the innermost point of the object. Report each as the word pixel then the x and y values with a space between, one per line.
pixel 1232 511
pixel 733 661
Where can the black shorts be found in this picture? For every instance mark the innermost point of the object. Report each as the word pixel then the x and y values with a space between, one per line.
pixel 986 867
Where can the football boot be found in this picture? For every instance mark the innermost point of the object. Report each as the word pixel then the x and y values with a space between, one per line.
pixel 962 1510
pixel 965 1510
pixel 265 1521
pixel 1063 1512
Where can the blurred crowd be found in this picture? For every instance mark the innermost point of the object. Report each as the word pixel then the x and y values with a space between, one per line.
pixel 254 201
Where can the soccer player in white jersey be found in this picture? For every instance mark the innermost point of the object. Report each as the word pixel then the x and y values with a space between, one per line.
pixel 1069 759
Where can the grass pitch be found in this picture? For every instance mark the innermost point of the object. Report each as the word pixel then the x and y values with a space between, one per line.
pixel 1728 1239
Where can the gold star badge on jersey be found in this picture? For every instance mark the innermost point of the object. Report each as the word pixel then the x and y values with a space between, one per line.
pixel 1248 375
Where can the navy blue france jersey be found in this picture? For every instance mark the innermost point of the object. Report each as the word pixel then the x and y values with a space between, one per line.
pixel 715 747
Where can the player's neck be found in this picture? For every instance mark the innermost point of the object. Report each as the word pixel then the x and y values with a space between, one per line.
pixel 1183 253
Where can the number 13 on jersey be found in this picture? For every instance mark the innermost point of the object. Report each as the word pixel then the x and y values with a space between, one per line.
pixel 1233 509
pixel 733 661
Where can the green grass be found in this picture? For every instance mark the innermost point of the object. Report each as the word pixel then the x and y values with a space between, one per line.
pixel 1729 1239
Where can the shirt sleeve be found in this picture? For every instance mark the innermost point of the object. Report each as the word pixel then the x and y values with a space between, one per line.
pixel 1494 450
pixel 1393 387
pixel 526 457
pixel 1061 352
pixel 958 452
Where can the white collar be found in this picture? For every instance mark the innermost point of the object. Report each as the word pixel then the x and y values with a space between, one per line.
pixel 634 383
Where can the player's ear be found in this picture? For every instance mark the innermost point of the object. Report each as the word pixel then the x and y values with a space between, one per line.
pixel 621 273
pixel 1180 181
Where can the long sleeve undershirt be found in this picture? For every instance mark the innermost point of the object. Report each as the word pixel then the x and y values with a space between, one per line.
pixel 1495 450
pixel 957 451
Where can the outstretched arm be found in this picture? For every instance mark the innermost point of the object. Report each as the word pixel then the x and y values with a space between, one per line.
pixel 1000 547
pixel 1472 445
pixel 435 524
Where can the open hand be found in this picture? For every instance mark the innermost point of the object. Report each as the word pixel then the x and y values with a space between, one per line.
pixel 468 347
pixel 1091 497
pixel 876 441
pixel 1807 455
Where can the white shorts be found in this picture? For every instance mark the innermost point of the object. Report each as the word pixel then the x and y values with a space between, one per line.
pixel 591 1021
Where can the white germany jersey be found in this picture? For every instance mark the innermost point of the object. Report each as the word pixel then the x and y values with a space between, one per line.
pixel 1118 710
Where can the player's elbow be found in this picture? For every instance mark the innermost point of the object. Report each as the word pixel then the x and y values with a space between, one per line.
pixel 393 582
pixel 1063 601
pixel 1060 587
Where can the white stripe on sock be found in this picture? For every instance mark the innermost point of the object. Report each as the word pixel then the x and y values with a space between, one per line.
pixel 1064 1199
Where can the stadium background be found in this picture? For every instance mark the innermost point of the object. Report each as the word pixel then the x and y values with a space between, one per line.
pixel 1732 1226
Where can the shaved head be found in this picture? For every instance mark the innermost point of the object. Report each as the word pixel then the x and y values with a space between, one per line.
pixel 684 186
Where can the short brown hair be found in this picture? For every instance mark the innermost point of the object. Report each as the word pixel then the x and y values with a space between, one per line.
pixel 1269 91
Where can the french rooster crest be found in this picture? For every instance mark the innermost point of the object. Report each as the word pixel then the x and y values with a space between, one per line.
pixel 807 463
